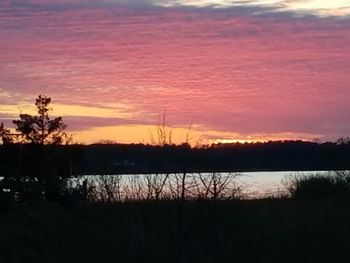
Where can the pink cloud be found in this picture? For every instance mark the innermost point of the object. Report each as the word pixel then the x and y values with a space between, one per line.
pixel 225 70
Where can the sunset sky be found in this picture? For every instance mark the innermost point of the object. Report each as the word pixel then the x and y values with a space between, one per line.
pixel 236 70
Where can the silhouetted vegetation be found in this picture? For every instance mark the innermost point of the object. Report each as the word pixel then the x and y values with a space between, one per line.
pixel 32 167
pixel 204 231
pixel 41 129
pixel 173 212
pixel 269 156
pixel 320 186
pixel 30 162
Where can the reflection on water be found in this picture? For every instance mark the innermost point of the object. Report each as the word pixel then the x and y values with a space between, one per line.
pixel 208 185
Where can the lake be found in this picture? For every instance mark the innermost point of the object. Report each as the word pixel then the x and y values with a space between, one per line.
pixel 246 184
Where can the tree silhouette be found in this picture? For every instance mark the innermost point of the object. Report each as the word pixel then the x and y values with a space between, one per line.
pixel 40 129
pixel 5 134
pixel 39 165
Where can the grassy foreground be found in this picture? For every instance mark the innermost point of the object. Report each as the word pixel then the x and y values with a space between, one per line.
pixel 272 230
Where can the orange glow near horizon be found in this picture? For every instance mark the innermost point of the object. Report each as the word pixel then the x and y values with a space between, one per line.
pixel 238 70
pixel 147 134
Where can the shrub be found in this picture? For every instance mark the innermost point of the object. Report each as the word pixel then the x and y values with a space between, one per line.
pixel 319 185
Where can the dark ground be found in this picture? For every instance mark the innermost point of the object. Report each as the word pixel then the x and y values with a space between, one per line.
pixel 274 230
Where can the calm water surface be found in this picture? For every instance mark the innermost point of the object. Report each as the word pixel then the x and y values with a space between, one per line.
pixel 252 183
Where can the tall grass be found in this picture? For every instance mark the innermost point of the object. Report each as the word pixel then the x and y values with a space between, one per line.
pixel 334 184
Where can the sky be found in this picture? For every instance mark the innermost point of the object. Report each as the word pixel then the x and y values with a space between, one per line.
pixel 231 70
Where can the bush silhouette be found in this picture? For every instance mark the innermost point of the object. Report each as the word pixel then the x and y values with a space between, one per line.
pixel 319 185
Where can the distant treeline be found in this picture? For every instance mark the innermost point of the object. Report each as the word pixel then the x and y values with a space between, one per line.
pixel 139 158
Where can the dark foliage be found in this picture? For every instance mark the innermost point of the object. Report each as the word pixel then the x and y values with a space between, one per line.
pixel 5 135
pixel 270 156
pixel 320 186
pixel 41 129
pixel 32 167
pixel 202 231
